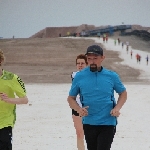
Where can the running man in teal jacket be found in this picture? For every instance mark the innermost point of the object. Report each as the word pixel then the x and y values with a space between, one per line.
pixel 100 110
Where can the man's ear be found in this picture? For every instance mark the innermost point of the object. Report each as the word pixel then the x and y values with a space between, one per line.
pixel 103 57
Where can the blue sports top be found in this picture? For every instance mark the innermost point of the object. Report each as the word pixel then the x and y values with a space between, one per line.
pixel 97 92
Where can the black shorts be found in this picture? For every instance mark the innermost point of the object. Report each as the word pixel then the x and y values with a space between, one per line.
pixel 6 138
pixel 75 112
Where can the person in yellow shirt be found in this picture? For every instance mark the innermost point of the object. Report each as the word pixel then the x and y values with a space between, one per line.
pixel 12 92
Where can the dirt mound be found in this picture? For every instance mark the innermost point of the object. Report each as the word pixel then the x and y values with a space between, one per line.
pixel 52 32
pixel 84 27
pixel 51 60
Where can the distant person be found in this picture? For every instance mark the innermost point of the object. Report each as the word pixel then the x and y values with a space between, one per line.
pixel 59 34
pixel 106 38
pixel 127 43
pixel 10 85
pixel 83 33
pixel 104 35
pixel 75 34
pixel 118 41
pixel 99 34
pixel 127 49
pixel 137 57
pixel 96 86
pixel 131 53
pixel 115 42
pixel 81 62
pixel 103 39
pixel 122 44
pixel 78 34
pixel 68 33
pixel 147 59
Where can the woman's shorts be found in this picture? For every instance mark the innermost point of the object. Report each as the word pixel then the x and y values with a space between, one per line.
pixel 75 112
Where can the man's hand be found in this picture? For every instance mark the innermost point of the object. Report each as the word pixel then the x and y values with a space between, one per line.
pixel 114 112
pixel 83 111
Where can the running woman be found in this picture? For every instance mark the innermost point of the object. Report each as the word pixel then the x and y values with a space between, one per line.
pixel 81 62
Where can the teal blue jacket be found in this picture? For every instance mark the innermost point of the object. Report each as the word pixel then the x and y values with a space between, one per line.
pixel 97 91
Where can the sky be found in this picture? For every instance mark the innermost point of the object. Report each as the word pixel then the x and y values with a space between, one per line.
pixel 23 18
pixel 46 124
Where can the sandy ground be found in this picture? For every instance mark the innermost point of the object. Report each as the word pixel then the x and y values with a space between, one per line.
pixel 45 123
pixel 51 60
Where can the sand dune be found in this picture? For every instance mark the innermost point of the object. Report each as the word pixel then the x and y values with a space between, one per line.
pixel 51 60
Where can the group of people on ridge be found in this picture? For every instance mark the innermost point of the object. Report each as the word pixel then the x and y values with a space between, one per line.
pixel 138 56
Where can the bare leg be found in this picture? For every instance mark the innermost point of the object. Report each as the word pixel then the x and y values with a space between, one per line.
pixel 79 132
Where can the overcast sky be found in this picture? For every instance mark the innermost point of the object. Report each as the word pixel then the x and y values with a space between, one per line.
pixel 23 18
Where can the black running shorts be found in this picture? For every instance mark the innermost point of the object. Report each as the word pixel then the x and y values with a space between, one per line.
pixel 6 138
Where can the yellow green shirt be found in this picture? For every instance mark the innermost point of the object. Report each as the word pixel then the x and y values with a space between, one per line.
pixel 13 86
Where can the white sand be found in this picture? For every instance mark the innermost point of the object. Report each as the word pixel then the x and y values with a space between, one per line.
pixel 47 123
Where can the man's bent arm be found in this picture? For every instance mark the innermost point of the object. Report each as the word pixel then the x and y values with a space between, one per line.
pixel 121 100
pixel 73 104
